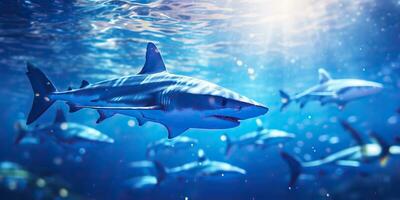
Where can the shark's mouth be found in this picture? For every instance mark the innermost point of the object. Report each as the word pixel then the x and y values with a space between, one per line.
pixel 227 118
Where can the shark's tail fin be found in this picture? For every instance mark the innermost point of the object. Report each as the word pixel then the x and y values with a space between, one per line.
pixel 161 171
pixel 21 132
pixel 228 141
pixel 285 99
pixel 42 88
pixel 295 167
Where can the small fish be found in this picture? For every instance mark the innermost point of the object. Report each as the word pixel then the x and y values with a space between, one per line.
pixel 177 102
pixel 262 138
pixel 377 150
pixel 339 91
pixel 62 132
pixel 176 144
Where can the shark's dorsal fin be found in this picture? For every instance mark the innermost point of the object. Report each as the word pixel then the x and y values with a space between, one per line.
pixel 323 76
pixel 69 88
pixel 201 156
pixel 154 62
pixel 60 117
pixel 84 83
pixel 175 131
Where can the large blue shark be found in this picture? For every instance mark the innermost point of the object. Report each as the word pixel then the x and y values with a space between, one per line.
pixel 172 145
pixel 339 91
pixel 178 102
pixel 62 132
pixel 262 138
pixel 355 156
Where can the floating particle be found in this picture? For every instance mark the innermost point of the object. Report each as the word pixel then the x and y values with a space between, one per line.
pixel 334 140
pixel 223 138
pixel 64 126
pixel 82 151
pixel 392 120
pixel 239 63
pixel 131 123
pixel 352 119
pixel 63 193
pixel 40 182
pixel 323 138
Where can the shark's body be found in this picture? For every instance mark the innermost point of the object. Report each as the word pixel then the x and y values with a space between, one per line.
pixel 178 102
pixel 172 145
pixel 262 138
pixel 338 91
pixel 62 132
pixel 200 169
pixel 354 156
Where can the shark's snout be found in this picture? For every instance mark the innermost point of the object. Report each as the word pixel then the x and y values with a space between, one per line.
pixel 247 111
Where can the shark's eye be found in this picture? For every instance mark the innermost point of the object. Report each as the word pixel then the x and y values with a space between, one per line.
pixel 224 102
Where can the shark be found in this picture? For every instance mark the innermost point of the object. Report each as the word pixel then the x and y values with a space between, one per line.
pixel 200 169
pixel 329 90
pixel 173 145
pixel 262 137
pixel 175 101
pixel 62 132
pixel 353 157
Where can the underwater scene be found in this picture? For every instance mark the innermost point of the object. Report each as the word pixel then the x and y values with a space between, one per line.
pixel 193 100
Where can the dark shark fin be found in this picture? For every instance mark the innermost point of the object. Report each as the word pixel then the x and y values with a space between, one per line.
pixel 21 132
pixel 201 156
pixel 154 62
pixel 323 76
pixel 69 88
pixel 175 131
pixel 72 107
pixel 104 115
pixel 285 99
pixel 84 83
pixel 353 132
pixel 60 117
pixel 294 166
pixel 141 121
pixel 42 89
pixel 161 171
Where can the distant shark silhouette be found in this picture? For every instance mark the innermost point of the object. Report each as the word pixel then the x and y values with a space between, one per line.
pixel 62 132
pixel 177 102
pixel 339 91
pixel 376 150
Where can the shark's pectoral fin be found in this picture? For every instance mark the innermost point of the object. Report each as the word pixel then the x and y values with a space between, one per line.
pixel 72 107
pixel 175 131
pixel 104 115
pixel 141 121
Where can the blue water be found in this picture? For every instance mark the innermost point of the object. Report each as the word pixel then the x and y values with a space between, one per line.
pixel 253 47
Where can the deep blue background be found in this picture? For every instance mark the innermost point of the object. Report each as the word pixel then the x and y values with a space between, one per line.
pixel 254 48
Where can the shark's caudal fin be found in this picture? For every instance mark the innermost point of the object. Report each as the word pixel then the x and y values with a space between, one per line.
pixel 154 62
pixel 323 76
pixel 228 141
pixel 294 166
pixel 42 88
pixel 285 99
pixel 161 171
pixel 21 132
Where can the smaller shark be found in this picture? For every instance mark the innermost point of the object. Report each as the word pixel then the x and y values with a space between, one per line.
pixel 202 168
pixel 262 137
pixel 62 132
pixel 354 156
pixel 339 91
pixel 172 145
